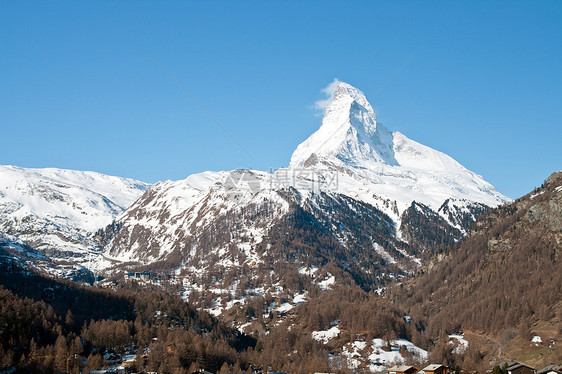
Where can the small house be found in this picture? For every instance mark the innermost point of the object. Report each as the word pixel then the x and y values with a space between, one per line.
pixel 506 364
pixel 201 371
pixel 436 369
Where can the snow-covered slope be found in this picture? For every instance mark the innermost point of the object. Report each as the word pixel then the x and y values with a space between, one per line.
pixel 174 213
pixel 56 211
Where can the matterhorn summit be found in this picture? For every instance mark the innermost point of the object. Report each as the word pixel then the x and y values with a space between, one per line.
pixel 349 134
pixel 375 163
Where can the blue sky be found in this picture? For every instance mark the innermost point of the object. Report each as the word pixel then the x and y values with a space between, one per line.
pixel 78 89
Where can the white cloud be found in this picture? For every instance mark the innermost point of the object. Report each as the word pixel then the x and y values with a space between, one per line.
pixel 328 91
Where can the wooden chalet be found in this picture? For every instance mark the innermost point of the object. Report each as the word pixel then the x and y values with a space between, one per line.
pixel 436 369
pixel 519 368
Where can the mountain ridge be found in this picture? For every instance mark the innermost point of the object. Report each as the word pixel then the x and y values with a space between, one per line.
pixel 372 216
pixel 56 211
pixel 359 208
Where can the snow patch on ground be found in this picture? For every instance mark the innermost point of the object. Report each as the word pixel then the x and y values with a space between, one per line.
pixel 308 271
pixel 285 307
pixel 461 344
pixel 537 194
pixel 328 281
pixel 381 354
pixel 243 326
pixel 353 353
pixel 326 335
pixel 381 357
pixel 383 253
pixel 300 298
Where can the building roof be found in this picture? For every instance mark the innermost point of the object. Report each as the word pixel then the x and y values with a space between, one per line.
pixel 506 363
pixel 517 365
pixel 432 367
pixel 550 369
pixel 202 371
pixel 401 368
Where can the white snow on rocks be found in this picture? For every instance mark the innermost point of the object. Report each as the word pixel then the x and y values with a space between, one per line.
pixel 57 211
pixel 83 200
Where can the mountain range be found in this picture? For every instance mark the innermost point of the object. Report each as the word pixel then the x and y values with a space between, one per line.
pixel 375 199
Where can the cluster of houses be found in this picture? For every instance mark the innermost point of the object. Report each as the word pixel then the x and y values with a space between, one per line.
pixel 142 275
pixel 147 276
pixel 507 367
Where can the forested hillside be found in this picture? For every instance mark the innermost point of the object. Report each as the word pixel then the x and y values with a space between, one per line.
pixel 49 325
pixel 504 280
pixel 500 286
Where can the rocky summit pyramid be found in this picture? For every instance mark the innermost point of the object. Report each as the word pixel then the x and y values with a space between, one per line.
pixel 349 134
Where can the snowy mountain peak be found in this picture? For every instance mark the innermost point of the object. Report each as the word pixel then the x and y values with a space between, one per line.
pixel 364 153
pixel 349 134
pixel 353 178
pixel 346 91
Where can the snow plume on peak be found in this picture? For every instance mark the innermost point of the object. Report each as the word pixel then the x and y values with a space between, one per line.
pixel 328 91
pixel 344 91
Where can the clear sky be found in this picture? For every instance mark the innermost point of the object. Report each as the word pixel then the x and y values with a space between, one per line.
pixel 78 89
